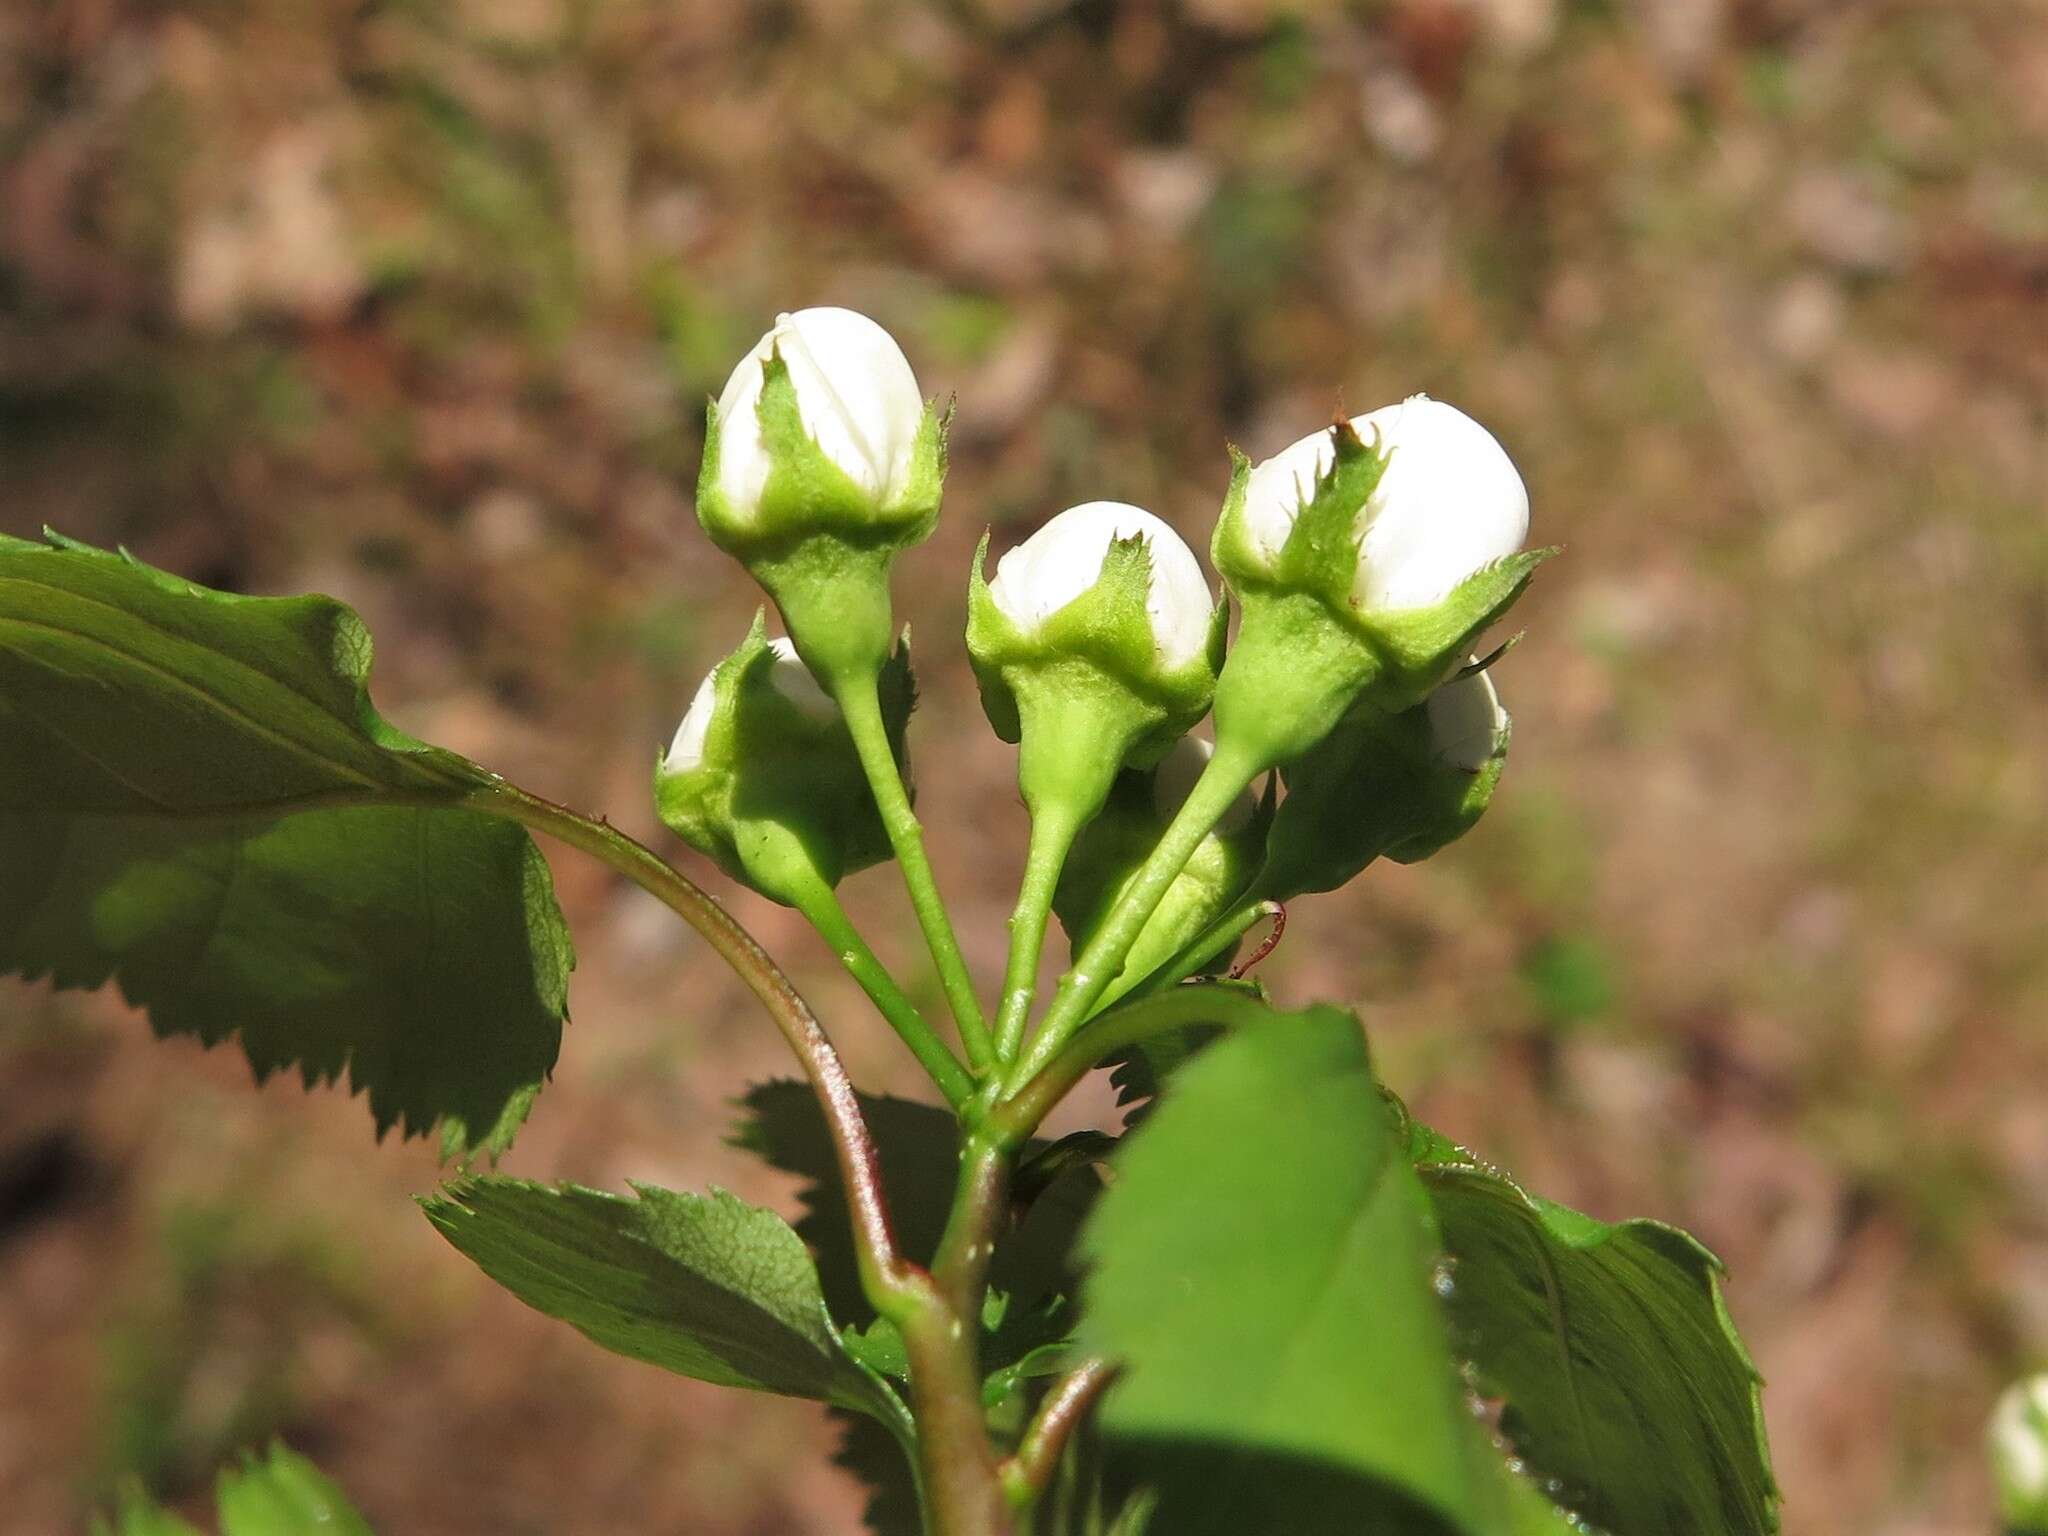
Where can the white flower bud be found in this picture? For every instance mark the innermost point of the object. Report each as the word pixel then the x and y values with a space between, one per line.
pixel 2018 1442
pixel 1449 502
pixel 790 678
pixel 855 393
pixel 1063 559
pixel 763 777
pixel 1466 721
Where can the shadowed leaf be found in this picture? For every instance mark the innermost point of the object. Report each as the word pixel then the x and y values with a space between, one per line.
pixel 198 803
pixel 703 1285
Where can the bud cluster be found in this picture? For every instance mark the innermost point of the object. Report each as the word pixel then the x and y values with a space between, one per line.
pixel 1364 560
pixel 763 779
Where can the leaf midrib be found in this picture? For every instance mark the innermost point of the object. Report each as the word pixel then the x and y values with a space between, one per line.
pixel 207 696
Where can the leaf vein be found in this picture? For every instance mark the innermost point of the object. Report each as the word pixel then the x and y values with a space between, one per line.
pixel 220 705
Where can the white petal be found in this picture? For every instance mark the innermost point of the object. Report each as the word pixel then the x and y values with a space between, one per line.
pixel 1450 502
pixel 1064 559
pixel 855 393
pixel 793 680
pixel 1465 721
pixel 687 750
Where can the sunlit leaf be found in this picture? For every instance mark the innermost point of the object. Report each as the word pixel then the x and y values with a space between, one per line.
pixel 1264 1270
pixel 1622 1376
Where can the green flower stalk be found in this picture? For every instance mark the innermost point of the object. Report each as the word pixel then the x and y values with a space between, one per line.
pixel 763 778
pixel 1394 786
pixel 1363 571
pixel 1111 852
pixel 822 463
pixel 1096 645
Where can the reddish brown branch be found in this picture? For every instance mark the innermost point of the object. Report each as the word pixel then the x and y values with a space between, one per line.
pixel 1026 1474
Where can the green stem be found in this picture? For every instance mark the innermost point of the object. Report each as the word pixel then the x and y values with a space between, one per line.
pixel 960 1276
pixel 1018 1115
pixel 959 1465
pixel 861 705
pixel 1221 782
pixel 1026 1474
pixel 821 907
pixel 959 1471
pixel 1052 838
pixel 961 1265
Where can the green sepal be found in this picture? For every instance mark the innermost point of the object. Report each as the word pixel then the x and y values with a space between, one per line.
pixel 1375 786
pixel 1321 554
pixel 282 1494
pixel 1306 651
pixel 1087 692
pixel 1420 648
pixel 817 542
pixel 779 801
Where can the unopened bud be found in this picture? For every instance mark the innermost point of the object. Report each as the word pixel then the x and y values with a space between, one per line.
pixel 1367 559
pixel 762 775
pixel 1095 645
pixel 821 463
pixel 1447 504
pixel 1399 786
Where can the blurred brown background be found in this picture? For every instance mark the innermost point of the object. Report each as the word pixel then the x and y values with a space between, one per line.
pixel 418 305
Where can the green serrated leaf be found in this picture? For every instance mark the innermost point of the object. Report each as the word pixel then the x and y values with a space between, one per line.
pixel 1623 1377
pixel 420 953
pixel 283 1494
pixel 1263 1267
pixel 198 802
pixel 124 689
pixel 706 1286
